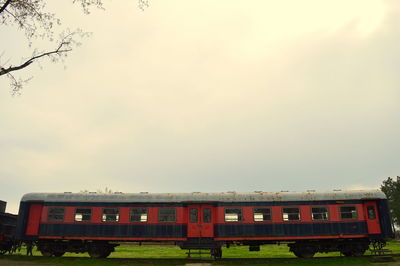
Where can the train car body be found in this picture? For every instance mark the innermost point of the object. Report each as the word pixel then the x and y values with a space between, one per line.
pixel 8 224
pixel 309 222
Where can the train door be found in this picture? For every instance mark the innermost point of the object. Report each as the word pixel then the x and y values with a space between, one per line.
pixel 372 217
pixel 35 213
pixel 200 221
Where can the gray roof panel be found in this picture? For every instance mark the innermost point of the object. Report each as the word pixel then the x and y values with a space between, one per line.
pixel 206 197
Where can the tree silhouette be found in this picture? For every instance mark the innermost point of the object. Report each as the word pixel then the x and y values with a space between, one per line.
pixel 391 188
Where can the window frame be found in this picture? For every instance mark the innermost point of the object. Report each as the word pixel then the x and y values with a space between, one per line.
pixel 207 219
pixel 91 214
pixel 270 214
pixel 55 220
pixel 119 215
pixel 321 220
pixel 139 208
pixel 291 207
pixel 348 219
pixel 234 208
pixel 369 214
pixel 163 208
pixel 191 215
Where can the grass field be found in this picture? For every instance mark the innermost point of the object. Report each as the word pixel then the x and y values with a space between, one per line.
pixel 171 255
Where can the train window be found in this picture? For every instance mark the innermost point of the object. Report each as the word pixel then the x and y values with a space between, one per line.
pixel 291 214
pixel 139 215
pixel 348 212
pixel 193 215
pixel 371 212
pixel 55 214
pixel 207 215
pixel 233 215
pixel 167 215
pixel 110 215
pixel 319 213
pixel 262 214
pixel 83 214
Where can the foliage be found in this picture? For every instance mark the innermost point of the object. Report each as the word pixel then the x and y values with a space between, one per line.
pixel 391 188
pixel 32 17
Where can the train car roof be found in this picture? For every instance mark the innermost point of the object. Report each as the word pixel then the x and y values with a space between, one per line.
pixel 257 196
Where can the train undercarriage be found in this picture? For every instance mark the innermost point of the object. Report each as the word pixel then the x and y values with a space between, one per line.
pixel 301 248
pixel 57 248
pixel 5 246
pixel 307 249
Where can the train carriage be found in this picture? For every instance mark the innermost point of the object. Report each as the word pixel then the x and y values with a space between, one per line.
pixel 8 223
pixel 309 222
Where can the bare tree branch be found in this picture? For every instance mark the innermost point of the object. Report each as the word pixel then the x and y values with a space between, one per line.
pixel 37 23
pixel 57 51
pixel 16 85
pixel 5 6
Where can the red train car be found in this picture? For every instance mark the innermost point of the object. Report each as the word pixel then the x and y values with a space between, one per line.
pixel 309 222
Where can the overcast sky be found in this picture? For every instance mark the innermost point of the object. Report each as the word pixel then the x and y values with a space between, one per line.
pixel 208 96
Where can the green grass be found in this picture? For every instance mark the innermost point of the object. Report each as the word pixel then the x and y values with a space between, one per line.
pixel 171 255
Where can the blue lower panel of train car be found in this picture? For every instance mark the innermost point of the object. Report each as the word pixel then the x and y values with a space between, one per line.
pixel 286 230
pixel 108 230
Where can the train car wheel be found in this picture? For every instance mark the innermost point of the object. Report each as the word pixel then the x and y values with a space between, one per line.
pixel 354 250
pixel 99 252
pixel 58 254
pixel 347 253
pixel 304 252
pixel 46 253
pixel 95 254
pixel 106 254
pixel 358 253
